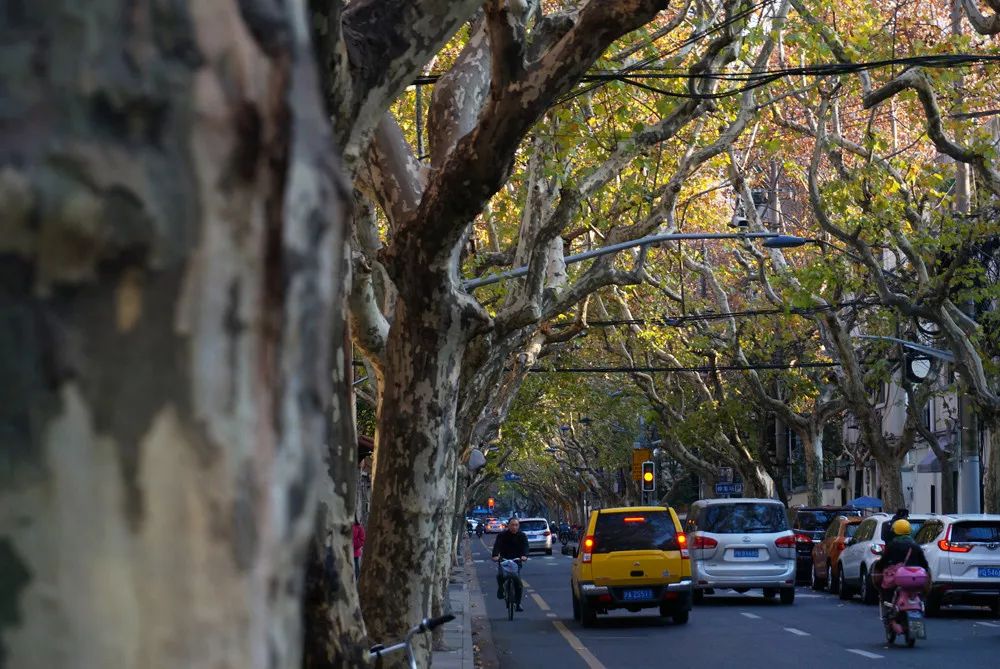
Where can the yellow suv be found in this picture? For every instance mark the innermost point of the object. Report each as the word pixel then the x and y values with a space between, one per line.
pixel 632 558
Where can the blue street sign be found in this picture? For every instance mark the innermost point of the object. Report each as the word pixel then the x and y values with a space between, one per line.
pixel 511 476
pixel 729 488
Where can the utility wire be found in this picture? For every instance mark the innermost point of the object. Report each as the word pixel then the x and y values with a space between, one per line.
pixel 653 370
pixel 675 321
pixel 635 77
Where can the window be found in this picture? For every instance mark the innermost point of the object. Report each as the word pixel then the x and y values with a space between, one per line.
pixel 646 530
pixel 866 531
pixel 832 531
pixel 534 526
pixel 744 518
pixel 928 415
pixel 814 521
pixel 850 529
pixel 985 531
pixel 927 533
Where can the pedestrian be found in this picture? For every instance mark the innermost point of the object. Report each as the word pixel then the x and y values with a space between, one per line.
pixel 359 544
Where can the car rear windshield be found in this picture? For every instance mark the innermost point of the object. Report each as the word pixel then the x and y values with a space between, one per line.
pixel 850 529
pixel 648 530
pixel 812 521
pixel 986 531
pixel 743 518
pixel 533 526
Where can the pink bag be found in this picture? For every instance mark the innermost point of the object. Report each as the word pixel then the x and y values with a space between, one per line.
pixel 909 578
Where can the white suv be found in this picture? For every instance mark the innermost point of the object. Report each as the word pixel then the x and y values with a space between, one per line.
pixel 862 551
pixel 964 556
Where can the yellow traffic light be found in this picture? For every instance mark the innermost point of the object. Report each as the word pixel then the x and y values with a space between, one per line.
pixel 648 476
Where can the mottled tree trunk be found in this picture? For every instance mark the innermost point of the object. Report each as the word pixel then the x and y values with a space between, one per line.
pixel 415 456
pixel 891 477
pixel 169 278
pixel 812 448
pixel 992 492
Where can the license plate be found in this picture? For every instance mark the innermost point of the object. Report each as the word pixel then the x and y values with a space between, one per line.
pixel 745 552
pixel 989 572
pixel 637 594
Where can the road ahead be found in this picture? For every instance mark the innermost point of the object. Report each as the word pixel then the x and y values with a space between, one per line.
pixel 732 631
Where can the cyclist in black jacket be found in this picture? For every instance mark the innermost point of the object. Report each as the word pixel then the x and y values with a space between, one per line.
pixel 511 544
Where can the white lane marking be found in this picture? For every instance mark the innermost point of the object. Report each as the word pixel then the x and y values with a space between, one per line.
pixel 752 616
pixel 979 622
pixel 552 615
pixel 575 644
pixel 796 632
pixel 810 596
pixel 541 602
pixel 864 653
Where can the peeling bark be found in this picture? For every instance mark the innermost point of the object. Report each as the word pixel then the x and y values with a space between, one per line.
pixel 166 332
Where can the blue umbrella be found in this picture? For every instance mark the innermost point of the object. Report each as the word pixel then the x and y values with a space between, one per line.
pixel 866 503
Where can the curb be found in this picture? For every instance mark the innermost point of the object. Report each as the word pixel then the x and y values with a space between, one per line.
pixel 482 635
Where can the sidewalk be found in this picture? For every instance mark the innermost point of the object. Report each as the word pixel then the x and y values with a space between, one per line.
pixel 458 633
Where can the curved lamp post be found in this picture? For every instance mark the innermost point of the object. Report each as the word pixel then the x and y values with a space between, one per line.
pixel 786 241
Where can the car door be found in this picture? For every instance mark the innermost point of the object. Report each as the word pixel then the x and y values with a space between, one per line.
pixel 852 556
pixel 821 551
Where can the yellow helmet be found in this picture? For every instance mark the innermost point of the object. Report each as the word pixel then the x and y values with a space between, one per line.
pixel 901 527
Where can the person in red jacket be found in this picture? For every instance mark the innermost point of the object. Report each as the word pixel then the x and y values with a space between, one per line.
pixel 359 544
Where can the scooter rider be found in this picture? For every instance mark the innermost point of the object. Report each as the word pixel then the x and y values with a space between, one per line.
pixel 901 550
pixel 512 544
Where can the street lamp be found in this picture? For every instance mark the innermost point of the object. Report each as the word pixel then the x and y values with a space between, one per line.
pixel 784 242
pixel 470 284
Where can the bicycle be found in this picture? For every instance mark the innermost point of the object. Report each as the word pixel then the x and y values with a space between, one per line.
pixel 510 570
pixel 426 625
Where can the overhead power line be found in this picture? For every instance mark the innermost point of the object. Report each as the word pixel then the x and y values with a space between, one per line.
pixel 941 61
pixel 676 321
pixel 703 368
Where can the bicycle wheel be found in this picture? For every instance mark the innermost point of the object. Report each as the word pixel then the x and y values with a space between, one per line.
pixel 509 596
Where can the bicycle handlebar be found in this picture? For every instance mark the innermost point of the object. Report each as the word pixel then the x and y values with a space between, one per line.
pixel 427 624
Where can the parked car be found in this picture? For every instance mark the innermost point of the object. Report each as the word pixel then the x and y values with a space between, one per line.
pixel 632 558
pixel 538 533
pixel 810 523
pixel 826 552
pixel 964 556
pixel 741 544
pixel 854 566
pixel 493 526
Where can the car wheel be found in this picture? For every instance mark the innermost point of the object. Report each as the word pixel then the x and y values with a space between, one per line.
pixel 681 617
pixel 698 596
pixel 842 588
pixel 995 609
pixel 548 551
pixel 576 607
pixel 867 590
pixel 787 595
pixel 769 593
pixel 588 617
pixel 833 583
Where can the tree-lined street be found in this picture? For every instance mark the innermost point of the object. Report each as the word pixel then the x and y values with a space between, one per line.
pixel 731 630
pixel 292 293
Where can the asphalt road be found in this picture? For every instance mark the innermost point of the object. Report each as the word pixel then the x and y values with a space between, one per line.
pixel 729 631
